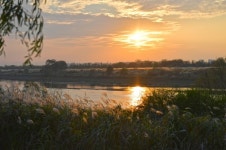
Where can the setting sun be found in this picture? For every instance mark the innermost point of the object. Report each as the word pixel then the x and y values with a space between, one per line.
pixel 139 38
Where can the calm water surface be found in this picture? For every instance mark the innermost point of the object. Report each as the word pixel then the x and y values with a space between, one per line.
pixel 122 95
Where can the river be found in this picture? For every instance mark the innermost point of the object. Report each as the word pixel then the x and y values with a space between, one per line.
pixel 122 95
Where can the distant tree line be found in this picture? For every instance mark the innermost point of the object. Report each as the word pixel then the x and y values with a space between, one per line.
pixel 143 64
pixel 214 77
pixel 52 63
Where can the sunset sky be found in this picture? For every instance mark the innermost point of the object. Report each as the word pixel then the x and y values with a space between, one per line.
pixel 128 30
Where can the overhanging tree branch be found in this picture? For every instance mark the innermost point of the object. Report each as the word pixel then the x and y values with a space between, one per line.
pixel 22 18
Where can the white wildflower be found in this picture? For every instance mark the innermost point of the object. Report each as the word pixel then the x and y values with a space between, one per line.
pixel 174 107
pixel 187 108
pixel 152 110
pixel 40 111
pixel 150 121
pixel 216 108
pixel 168 107
pixel 146 135
pixel 94 114
pixel 84 119
pixel 159 112
pixel 29 121
pixel 171 114
pixel 85 114
pixel 19 120
pixel 75 111
pixel 56 110
pixel 117 117
pixel 130 118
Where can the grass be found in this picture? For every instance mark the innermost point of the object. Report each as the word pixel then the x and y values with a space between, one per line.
pixel 31 118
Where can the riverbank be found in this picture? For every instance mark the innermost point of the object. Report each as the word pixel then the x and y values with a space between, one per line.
pixel 188 119
pixel 106 80
pixel 149 77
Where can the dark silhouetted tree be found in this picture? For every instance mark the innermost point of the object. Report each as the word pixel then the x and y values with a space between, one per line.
pixel 220 64
pixel 24 19
pixel 109 70
pixel 59 65
pixel 50 62
pixel 123 72
pixel 53 67
pixel 214 77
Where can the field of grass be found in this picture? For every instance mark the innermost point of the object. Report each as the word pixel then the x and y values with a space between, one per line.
pixel 31 118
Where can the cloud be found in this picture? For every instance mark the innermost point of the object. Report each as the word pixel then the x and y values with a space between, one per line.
pixel 138 8
pixel 106 23
pixel 59 22
pixel 60 25
pixel 91 41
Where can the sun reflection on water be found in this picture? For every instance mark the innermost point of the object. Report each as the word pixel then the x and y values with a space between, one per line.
pixel 136 94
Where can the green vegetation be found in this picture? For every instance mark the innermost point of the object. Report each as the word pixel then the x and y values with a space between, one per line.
pixel 32 118
pixel 214 77
pixel 24 18
pixel 53 67
pixel 166 73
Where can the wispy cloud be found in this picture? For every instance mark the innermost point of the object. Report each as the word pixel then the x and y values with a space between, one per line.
pixel 138 8
pixel 80 27
pixel 86 25
pixel 59 22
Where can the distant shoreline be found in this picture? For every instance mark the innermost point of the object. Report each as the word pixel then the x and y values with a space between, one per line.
pixel 105 81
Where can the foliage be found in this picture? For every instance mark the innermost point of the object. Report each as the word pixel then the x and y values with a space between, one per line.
pixel 23 18
pixel 149 63
pixel 109 70
pixel 123 72
pixel 214 77
pixel 32 118
pixel 53 67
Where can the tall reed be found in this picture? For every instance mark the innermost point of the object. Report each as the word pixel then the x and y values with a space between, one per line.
pixel 33 118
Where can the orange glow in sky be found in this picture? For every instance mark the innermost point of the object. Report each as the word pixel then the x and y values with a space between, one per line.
pixel 138 38
pixel 122 31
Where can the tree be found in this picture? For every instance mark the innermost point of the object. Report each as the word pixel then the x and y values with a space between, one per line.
pixel 24 19
pixel 220 64
pixel 50 62
pixel 59 65
pixel 109 70
pixel 53 67
pixel 123 72
pixel 214 77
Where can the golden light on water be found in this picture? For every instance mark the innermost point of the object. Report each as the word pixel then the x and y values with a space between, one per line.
pixel 136 94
